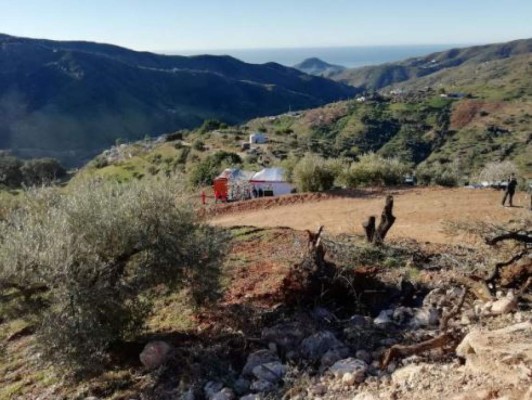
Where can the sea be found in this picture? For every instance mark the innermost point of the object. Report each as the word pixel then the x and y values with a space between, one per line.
pixel 349 57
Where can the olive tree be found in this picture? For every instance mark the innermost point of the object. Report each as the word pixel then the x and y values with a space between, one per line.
pixel 97 251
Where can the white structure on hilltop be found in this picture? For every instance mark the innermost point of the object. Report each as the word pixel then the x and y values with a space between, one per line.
pixel 257 138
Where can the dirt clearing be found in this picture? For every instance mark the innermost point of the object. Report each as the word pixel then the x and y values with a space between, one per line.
pixel 421 212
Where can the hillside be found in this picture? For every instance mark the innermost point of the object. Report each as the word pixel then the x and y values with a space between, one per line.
pixel 70 100
pixel 317 67
pixel 379 76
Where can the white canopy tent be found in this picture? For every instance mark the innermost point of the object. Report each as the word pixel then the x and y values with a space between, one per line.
pixel 272 179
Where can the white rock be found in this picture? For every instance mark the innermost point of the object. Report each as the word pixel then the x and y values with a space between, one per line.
pixel 383 318
pixel 155 354
pixel 348 379
pixel 425 317
pixel 364 396
pixel 353 366
pixel 406 376
pixel 504 306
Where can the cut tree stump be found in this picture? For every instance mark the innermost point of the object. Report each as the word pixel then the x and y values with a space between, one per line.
pixel 377 234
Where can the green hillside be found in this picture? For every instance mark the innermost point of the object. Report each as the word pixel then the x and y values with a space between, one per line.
pixel 71 100
pixel 380 76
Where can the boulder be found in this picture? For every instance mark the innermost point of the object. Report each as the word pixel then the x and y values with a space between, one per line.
pixel 314 347
pixel 272 372
pixel 211 388
pixel 287 335
pixel 353 366
pixel 504 305
pixel 155 354
pixel 359 321
pixel 251 397
pixel 406 376
pixel 224 394
pixel 241 386
pixel 504 354
pixel 258 358
pixel 364 356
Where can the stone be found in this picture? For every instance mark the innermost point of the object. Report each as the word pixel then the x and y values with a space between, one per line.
pixel 262 386
pixel 504 305
pixel 315 346
pixel 383 318
pixel 434 298
pixel 348 379
pixel 155 354
pixel 364 356
pixel 251 397
pixel 353 366
pixel 333 355
pixel 402 315
pixel 323 315
pixel 258 358
pixel 241 386
pixel 425 317
pixel 211 388
pixel 504 354
pixel 272 372
pixel 224 394
pixel 406 376
pixel 364 396
pixel 359 321
pixel 287 336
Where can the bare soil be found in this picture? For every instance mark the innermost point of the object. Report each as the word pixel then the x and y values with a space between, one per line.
pixel 421 212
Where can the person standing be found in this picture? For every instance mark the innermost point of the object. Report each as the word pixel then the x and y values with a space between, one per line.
pixel 510 190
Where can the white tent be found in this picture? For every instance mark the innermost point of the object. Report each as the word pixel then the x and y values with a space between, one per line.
pixel 272 179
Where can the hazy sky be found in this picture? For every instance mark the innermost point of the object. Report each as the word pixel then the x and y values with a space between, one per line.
pixel 168 25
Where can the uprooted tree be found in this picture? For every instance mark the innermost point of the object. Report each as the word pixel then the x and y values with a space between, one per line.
pixel 95 253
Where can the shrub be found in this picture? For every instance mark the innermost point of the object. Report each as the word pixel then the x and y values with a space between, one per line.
pixel 198 145
pixel 313 173
pixel 448 175
pixel 206 170
pixel 497 171
pixel 372 169
pixel 10 171
pixel 211 125
pixel 98 250
pixel 42 171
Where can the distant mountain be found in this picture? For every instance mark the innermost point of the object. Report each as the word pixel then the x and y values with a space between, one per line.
pixel 70 100
pixel 315 66
pixel 379 76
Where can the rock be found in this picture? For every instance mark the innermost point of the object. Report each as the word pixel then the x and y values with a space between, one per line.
pixel 359 321
pixel 272 372
pixel 212 388
pixel 258 358
pixel 434 298
pixel 353 366
pixel 480 394
pixel 333 355
pixel 504 354
pixel 287 335
pixel 364 396
pixel 364 356
pixel 155 354
pixel 406 376
pixel 504 305
pixel 402 315
pixel 261 386
pixel 224 394
pixel 189 395
pixel 323 315
pixel 348 379
pixel 383 318
pixel 241 386
pixel 251 397
pixel 315 346
pixel 425 317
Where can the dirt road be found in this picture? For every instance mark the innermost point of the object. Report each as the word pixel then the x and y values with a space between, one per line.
pixel 420 212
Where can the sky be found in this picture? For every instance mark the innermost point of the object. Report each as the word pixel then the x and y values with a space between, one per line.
pixel 173 25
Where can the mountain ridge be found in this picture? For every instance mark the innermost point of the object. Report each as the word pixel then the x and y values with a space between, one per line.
pixel 73 99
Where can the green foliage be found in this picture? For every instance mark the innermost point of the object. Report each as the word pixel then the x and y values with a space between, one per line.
pixel 211 125
pixel 98 251
pixel 42 171
pixel 207 169
pixel 10 171
pixel 448 175
pixel 198 145
pixel 373 169
pixel 313 173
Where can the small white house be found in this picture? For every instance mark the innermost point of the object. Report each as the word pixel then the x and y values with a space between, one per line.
pixel 257 138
